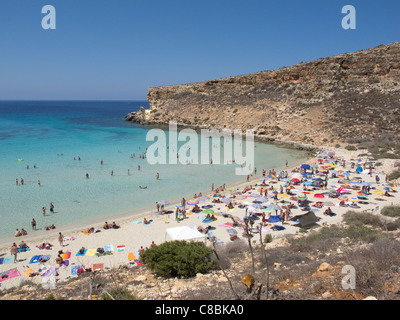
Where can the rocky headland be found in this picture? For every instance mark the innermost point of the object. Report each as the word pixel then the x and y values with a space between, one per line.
pixel 327 101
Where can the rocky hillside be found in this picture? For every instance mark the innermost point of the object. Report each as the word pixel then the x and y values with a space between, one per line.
pixel 329 101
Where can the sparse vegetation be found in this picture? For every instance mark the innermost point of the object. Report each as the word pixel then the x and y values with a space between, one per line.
pixel 391 211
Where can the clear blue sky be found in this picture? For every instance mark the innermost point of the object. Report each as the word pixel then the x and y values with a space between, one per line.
pixel 117 49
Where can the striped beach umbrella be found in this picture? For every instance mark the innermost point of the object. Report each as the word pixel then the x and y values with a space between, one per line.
pixel 192 202
pixel 203 198
pixel 343 198
pixel 302 197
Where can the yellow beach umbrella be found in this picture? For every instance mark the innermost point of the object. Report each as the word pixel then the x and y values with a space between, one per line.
pixel 282 195
pixel 378 192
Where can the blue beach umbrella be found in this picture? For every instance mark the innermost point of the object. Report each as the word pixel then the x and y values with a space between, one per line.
pixel 274 206
pixel 305 166
pixel 226 200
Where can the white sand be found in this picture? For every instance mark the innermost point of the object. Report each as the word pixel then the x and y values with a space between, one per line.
pixel 134 235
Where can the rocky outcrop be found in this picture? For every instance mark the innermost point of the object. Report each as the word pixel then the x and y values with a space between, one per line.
pixel 330 100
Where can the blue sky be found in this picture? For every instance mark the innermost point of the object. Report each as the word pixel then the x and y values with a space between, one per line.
pixel 117 49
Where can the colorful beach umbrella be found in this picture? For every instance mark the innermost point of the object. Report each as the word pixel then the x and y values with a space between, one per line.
pixel 208 211
pixel 343 198
pixel 302 197
pixel 203 198
pixel 163 203
pixel 192 202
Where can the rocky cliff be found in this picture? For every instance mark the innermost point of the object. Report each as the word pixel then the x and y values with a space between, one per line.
pixel 327 101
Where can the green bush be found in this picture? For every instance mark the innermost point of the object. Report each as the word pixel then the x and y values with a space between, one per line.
pixel 119 294
pixel 354 218
pixel 351 148
pixel 391 211
pixel 179 259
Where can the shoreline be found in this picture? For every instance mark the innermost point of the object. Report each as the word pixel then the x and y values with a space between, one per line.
pixel 133 234
pixel 119 218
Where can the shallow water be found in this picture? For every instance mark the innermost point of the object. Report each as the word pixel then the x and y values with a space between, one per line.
pixel 51 134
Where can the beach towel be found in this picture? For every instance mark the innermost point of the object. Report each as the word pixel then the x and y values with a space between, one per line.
pixel 274 219
pixel 137 221
pixel 131 256
pixel 108 248
pixel 74 270
pixel 97 267
pixel 120 248
pixel 90 252
pixel 9 259
pixel 23 249
pixel 9 274
pixel 207 220
pixel 1 260
pixel 31 273
pixel 44 258
pixel 35 259
pixel 138 262
pixel 81 254
pixel 49 271
pixel 70 238
pixel 66 255
pixel 278 228
pixel 65 263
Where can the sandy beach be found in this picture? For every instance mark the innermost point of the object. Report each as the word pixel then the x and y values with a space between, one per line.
pixel 134 234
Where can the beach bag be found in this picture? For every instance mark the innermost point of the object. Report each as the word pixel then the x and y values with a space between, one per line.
pixel 100 250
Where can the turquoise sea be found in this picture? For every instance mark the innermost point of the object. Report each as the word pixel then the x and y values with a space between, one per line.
pixel 53 135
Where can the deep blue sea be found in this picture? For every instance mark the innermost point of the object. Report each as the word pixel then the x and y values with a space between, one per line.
pixel 50 137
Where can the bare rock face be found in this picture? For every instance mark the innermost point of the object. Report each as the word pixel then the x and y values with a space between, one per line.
pixel 330 100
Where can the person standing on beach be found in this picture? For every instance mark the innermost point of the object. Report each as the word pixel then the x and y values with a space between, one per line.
pixel 33 223
pixel 61 239
pixel 44 211
pixel 286 163
pixel 14 251
pixel 51 207
pixel 158 176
